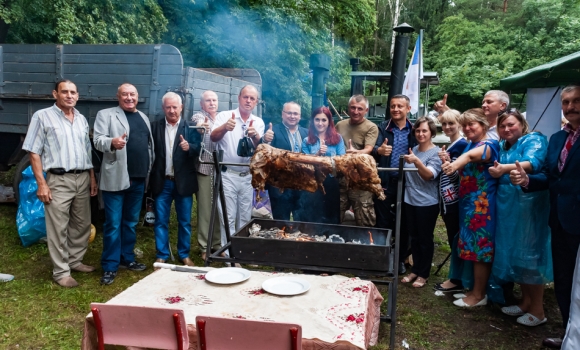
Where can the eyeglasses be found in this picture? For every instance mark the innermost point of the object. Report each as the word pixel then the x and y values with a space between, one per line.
pixel 294 114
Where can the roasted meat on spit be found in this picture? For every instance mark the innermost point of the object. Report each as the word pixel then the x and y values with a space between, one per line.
pixel 289 170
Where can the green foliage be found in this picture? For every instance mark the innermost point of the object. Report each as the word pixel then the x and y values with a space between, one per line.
pixel 83 21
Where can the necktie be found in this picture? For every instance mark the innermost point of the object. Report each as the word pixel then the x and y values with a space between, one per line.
pixel 296 146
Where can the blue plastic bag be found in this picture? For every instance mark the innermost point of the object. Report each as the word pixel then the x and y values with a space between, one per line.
pixel 30 216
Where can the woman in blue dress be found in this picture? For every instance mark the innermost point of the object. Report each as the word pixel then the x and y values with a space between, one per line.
pixel 323 140
pixel 522 240
pixel 477 189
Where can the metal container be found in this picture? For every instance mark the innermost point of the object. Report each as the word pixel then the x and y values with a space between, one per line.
pixel 366 257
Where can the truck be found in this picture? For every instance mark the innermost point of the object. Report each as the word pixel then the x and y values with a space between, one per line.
pixel 28 74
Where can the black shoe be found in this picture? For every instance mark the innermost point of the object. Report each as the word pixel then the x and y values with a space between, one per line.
pixel 133 266
pixel 552 343
pixel 447 290
pixel 402 268
pixel 108 277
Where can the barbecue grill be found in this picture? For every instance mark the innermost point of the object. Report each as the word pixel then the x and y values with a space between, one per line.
pixel 363 260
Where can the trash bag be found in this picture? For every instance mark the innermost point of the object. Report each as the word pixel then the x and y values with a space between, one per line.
pixel 30 216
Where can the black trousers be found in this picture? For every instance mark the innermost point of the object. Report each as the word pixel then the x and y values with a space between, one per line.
pixel 386 214
pixel 420 223
pixel 450 216
pixel 564 251
pixel 284 203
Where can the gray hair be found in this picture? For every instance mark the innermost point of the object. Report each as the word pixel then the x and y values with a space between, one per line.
pixel 206 91
pixel 501 95
pixel 569 88
pixel 358 99
pixel 249 86
pixel 290 103
pixel 171 95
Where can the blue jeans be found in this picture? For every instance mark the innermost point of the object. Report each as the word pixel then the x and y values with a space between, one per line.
pixel 183 205
pixel 122 210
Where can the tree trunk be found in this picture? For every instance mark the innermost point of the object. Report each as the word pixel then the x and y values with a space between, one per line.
pixel 395 6
pixel 3 31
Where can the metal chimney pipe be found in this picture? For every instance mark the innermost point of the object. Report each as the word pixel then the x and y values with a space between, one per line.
pixel 320 65
pixel 355 82
pixel 399 60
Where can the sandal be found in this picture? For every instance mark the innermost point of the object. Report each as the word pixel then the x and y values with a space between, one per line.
pixel 420 282
pixel 531 320
pixel 409 278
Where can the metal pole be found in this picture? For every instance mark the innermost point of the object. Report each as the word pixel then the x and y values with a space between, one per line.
pixel 399 60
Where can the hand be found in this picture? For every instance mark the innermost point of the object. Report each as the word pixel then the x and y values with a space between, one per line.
pixel 448 168
pixel 441 105
pixel 231 124
pixel 497 170
pixel 252 132
pixel 410 158
pixel 350 149
pixel 43 193
pixel 94 188
pixel 206 125
pixel 519 177
pixel 323 148
pixel 385 149
pixel 443 155
pixel 269 135
pixel 183 143
pixel 119 142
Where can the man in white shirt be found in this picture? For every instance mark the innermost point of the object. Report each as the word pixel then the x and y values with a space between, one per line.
pixel 227 131
pixel 495 102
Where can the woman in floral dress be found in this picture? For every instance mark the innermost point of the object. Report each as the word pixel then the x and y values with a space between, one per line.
pixel 477 189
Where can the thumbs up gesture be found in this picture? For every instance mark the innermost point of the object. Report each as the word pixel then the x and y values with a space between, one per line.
pixel 350 148
pixel 441 105
pixel 269 135
pixel 385 149
pixel 183 143
pixel 323 148
pixel 443 155
pixel 119 142
pixel 252 132
pixel 448 168
pixel 231 124
pixel 411 158
pixel 497 170
pixel 205 125
pixel 519 177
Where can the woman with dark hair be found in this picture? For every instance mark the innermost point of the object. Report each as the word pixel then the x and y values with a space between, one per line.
pixel 422 199
pixel 477 191
pixel 522 236
pixel 323 140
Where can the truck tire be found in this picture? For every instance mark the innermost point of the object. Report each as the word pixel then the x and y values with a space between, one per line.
pixel 23 164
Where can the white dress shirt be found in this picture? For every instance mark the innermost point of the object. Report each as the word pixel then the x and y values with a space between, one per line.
pixel 170 134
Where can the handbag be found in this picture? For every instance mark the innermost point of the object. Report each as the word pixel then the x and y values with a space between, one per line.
pixel 245 147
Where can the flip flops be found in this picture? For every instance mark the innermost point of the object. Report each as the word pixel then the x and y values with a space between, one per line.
pixel 531 320
pixel 513 310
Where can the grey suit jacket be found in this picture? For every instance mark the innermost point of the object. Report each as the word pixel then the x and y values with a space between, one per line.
pixel 111 123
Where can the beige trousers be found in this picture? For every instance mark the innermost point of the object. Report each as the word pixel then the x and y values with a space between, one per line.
pixel 204 203
pixel 68 221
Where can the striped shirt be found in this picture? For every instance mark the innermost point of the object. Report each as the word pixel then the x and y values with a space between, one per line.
pixel 198 119
pixel 59 142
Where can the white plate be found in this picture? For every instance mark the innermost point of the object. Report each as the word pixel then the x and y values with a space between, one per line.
pixel 286 285
pixel 228 275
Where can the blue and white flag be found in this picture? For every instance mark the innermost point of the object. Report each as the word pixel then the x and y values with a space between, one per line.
pixel 412 84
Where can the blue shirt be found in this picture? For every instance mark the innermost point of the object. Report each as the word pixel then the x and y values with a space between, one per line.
pixel 331 150
pixel 400 145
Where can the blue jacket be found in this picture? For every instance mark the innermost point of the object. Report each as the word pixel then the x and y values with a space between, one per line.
pixel 564 186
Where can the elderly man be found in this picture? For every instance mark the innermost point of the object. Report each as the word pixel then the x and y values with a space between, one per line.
pixel 395 138
pixel 58 143
pixel 205 175
pixel 560 174
pixel 494 103
pixel 119 132
pixel 288 136
pixel 173 177
pixel 359 135
pixel 228 129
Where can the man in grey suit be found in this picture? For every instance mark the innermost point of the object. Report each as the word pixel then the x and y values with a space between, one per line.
pixel 118 132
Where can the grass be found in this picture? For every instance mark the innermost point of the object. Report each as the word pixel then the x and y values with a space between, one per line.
pixel 35 313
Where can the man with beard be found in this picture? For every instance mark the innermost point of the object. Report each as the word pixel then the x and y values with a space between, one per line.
pixel 288 136
pixel 560 174
pixel 395 138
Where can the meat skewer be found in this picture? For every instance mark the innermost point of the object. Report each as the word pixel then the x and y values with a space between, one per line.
pixel 289 170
